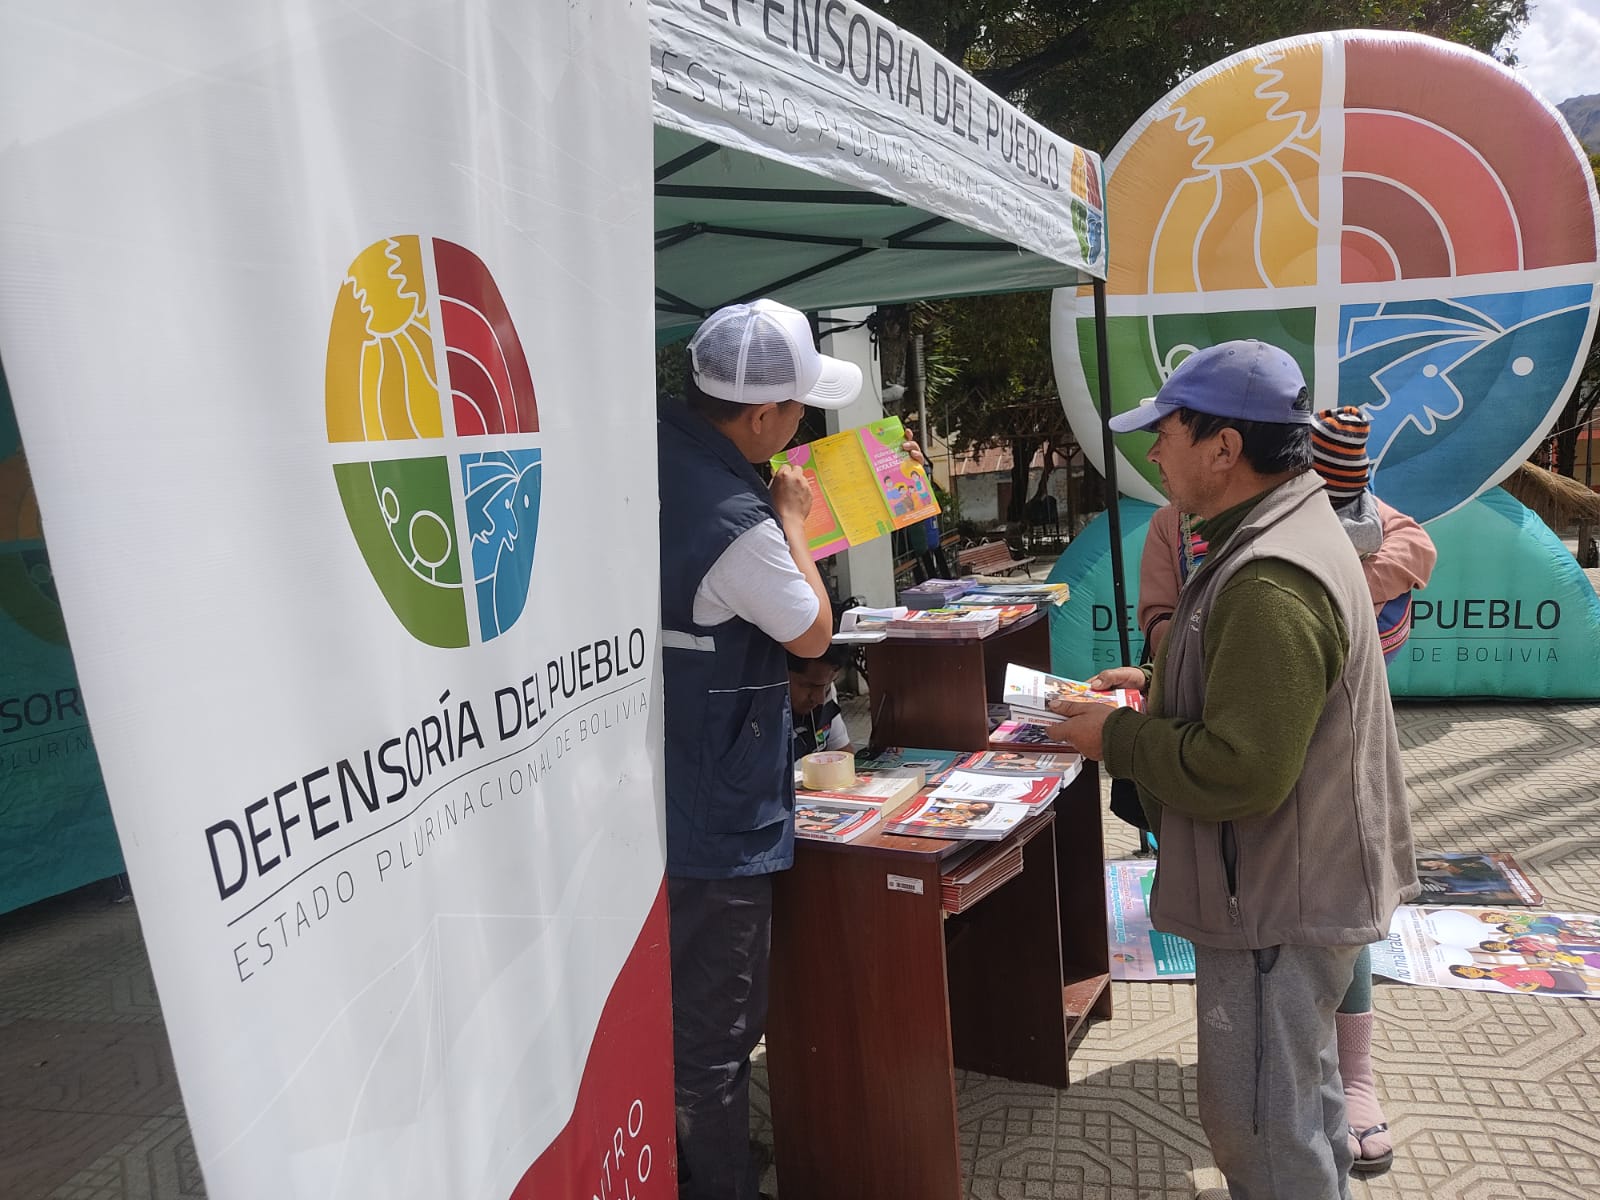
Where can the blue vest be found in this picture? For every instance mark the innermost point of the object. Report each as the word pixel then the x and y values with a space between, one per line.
pixel 729 765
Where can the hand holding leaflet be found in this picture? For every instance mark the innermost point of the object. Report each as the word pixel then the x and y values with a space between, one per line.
pixel 864 484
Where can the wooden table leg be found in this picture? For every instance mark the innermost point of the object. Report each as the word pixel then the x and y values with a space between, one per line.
pixel 858 1033
pixel 1005 975
pixel 1080 866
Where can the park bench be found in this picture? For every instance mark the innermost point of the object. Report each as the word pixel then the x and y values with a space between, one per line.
pixel 990 558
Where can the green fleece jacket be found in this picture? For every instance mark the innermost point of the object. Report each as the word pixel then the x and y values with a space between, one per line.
pixel 1262 705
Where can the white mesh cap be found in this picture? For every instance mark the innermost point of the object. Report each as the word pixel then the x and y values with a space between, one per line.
pixel 762 353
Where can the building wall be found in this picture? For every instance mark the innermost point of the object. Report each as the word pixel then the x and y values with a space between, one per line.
pixel 979 494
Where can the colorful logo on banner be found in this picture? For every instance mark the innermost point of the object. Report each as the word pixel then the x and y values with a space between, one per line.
pixel 445 502
pixel 1401 214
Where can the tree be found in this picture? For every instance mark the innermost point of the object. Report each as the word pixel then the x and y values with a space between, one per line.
pixel 1585 395
pixel 992 381
pixel 1089 69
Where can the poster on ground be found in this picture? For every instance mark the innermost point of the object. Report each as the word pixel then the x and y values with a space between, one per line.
pixel 329 334
pixel 1493 950
pixel 1138 951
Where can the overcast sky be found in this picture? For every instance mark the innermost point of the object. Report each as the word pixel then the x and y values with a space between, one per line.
pixel 1560 49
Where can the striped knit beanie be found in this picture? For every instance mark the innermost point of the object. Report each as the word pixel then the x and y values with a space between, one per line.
pixel 1339 450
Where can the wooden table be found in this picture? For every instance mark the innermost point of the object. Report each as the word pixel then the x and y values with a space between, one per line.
pixel 877 995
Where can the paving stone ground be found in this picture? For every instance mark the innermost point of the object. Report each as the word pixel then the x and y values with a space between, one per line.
pixel 1490 1097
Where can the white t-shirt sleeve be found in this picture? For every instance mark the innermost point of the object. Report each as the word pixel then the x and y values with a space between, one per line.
pixel 756 579
pixel 838 735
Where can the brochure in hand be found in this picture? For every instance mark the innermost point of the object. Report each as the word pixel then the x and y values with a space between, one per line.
pixel 1029 692
pixel 863 485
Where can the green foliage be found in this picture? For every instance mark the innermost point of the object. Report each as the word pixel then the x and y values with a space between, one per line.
pixel 1090 68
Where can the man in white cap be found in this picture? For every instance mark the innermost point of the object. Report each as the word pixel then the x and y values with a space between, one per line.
pixel 738 591
pixel 1267 764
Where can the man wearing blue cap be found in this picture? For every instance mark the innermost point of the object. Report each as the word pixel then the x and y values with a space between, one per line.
pixel 1268 765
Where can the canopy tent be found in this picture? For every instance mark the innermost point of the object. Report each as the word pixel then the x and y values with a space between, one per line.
pixel 816 154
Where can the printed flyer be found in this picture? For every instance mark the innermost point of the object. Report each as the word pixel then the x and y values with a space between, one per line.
pixel 1139 952
pixel 1493 950
pixel 863 485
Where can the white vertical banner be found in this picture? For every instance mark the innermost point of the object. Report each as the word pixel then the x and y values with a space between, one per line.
pixel 329 333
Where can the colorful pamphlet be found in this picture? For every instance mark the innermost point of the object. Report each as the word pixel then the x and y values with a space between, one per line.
pixel 977 820
pixel 1008 613
pixel 935 593
pixel 1030 692
pixel 1053 594
pixel 946 623
pixel 1138 950
pixel 879 788
pixel 1474 879
pixel 863 485
pixel 932 763
pixel 1032 790
pixel 1493 950
pixel 1024 762
pixel 827 820
pixel 1023 733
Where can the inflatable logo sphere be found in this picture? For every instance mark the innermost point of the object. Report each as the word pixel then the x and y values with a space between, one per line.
pixel 1401 214
pixel 442 489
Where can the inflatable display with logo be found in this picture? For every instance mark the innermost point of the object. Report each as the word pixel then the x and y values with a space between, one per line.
pixel 55 824
pixel 1419 230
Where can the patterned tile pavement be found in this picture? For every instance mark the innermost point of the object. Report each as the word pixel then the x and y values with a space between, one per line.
pixel 1490 1097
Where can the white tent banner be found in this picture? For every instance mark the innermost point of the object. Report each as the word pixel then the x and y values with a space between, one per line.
pixel 329 333
pixel 834 88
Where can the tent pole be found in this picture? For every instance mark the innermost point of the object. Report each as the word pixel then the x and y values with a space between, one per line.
pixel 1119 579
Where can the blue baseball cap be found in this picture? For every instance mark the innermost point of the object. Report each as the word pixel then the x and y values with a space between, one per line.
pixel 1248 380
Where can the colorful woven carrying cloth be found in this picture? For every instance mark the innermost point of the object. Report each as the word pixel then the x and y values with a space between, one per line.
pixel 1339 450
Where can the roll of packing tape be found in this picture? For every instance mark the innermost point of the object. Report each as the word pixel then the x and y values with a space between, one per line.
pixel 827 769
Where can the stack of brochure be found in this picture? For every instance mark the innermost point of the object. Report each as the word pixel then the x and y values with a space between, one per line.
pixel 1029 693
pixel 970 805
pixel 1007 613
pixel 960 820
pixel 972 872
pixel 1024 733
pixel 1034 790
pixel 866 624
pixel 881 789
pixel 935 593
pixel 933 763
pixel 1052 594
pixel 826 820
pixel 937 623
pixel 1024 762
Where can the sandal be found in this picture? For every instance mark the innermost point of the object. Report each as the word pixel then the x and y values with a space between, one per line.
pixel 1377 1164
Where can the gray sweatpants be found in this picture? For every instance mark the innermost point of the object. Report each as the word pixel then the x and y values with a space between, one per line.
pixel 1270 1097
